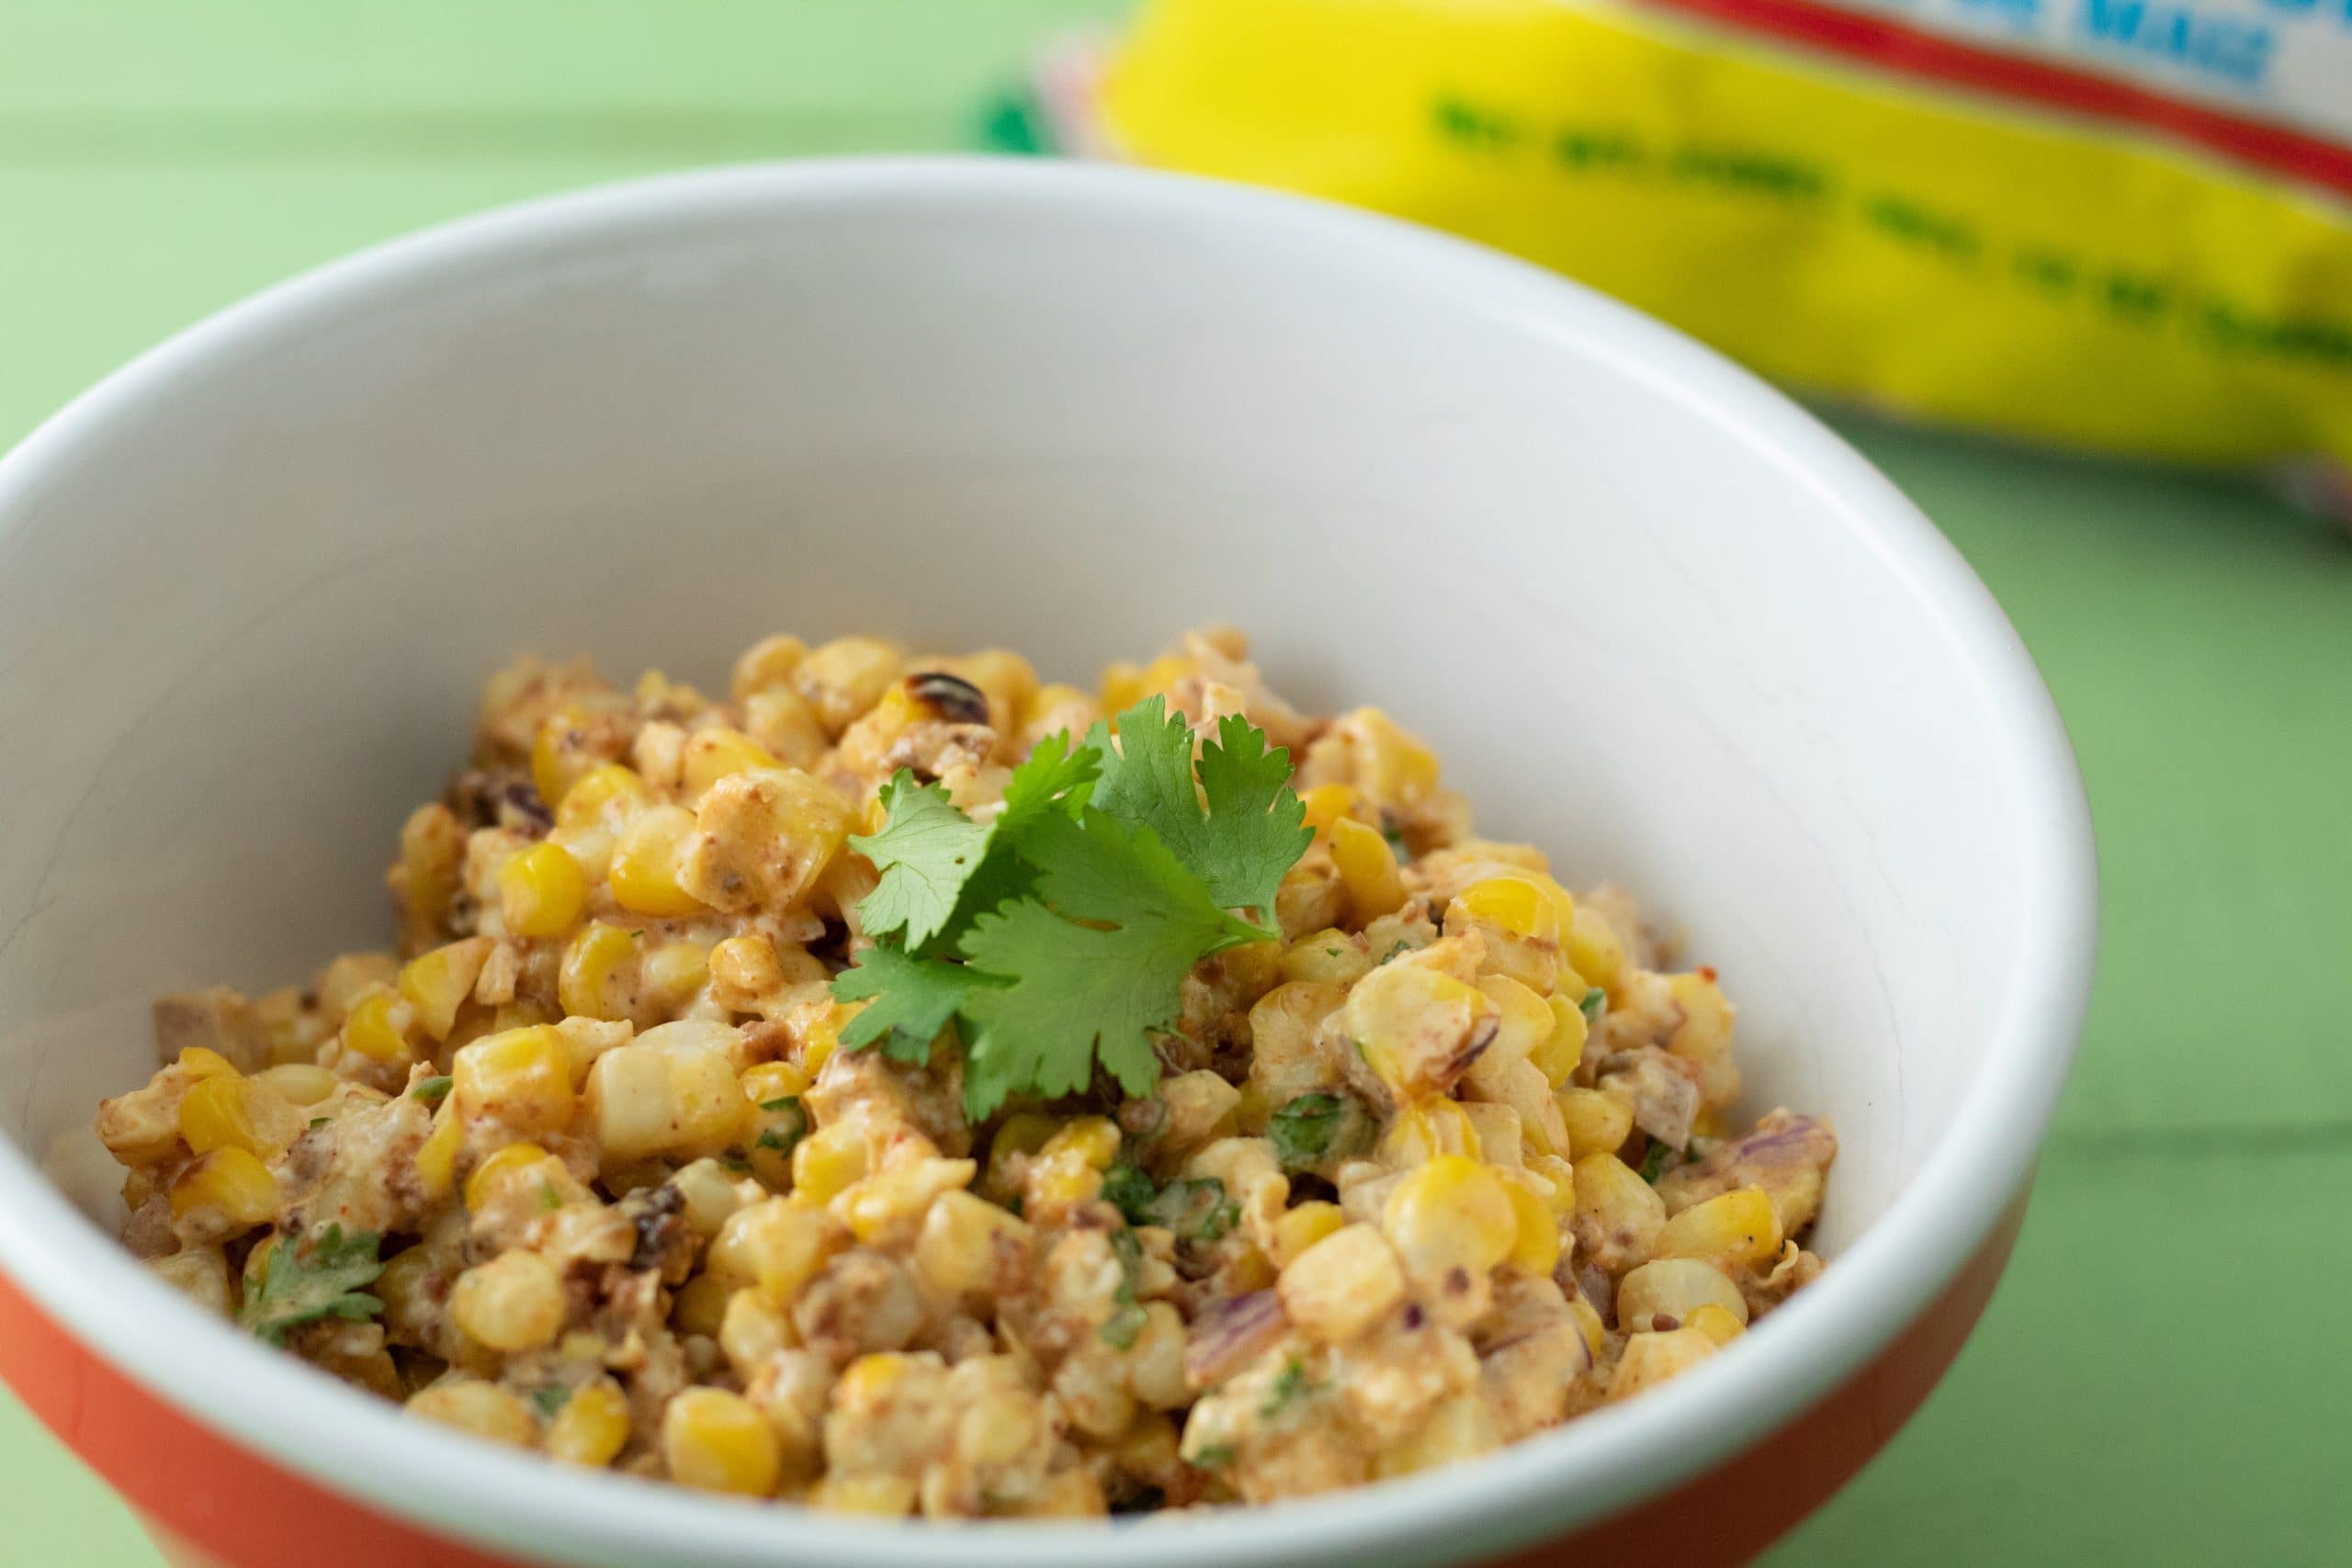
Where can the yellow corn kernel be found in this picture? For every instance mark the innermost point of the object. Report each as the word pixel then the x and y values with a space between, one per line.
pixel 711 755
pixel 435 983
pixel 1704 1034
pixel 1325 804
pixel 785 727
pixel 1560 1051
pixel 1596 1337
pixel 486 1177
pixel 1649 1359
pixel 603 796
pixel 775 1246
pixel 229 1112
pixel 1675 1288
pixel 298 1083
pixel 1302 1227
pixel 433 848
pixel 1716 1322
pixel 879 1492
pixel 1460 1427
pixel 762 841
pixel 841 678
pixel 599 976
pixel 483 1409
pixel 770 1081
pixel 1368 872
pixel 1121 687
pixel 1562 1178
pixel 1019 1137
pixel 591 1427
pixel 969 1246
pixel 1736 1230
pixel 647 862
pixel 1501 1138
pixel 1451 1213
pixel 1524 1023
pixel 559 756
pixel 1344 1284
pixel 767 662
pixel 823 1035
pixel 1618 1214
pixel 522 1078
pixel 1091 1141
pixel 828 1161
pixel 886 1207
pixel 437 1157
pixel 1510 904
pixel 752 1331
pixel 199 1273
pixel 744 969
pixel 1418 1134
pixel 1595 951
pixel 1536 1249
pixel 1393 768
pixel 719 1441
pixel 681 1101
pixel 1418 1029
pixel 372 1028
pixel 541 892
pixel 199 1062
pixel 513 1302
pixel 230 1183
pixel 700 1306
pixel 1007 680
pixel 1598 1124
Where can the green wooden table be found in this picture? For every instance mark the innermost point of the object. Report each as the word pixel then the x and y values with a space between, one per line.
pixel 2162 1378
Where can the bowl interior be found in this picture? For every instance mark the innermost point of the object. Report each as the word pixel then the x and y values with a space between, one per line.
pixel 245 607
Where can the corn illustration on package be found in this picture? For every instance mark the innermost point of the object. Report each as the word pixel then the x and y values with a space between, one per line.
pixel 2120 225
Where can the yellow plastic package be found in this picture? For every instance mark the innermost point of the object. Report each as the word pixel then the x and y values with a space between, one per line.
pixel 2123 225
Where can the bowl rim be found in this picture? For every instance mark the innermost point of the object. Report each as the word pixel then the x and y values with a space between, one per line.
pixel 1600 1463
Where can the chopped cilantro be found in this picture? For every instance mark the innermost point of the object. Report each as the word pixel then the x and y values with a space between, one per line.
pixel 1194 1208
pixel 789 1102
pixel 1396 845
pixel 319 1122
pixel 1402 946
pixel 1654 1162
pixel 549 1398
pixel 550 1198
pixel 1128 1190
pixel 1289 1386
pixel 790 1127
pixel 1331 953
pixel 1211 1456
pixel 294 1287
pixel 737 1163
pixel 1310 1127
pixel 433 1091
pixel 1126 1319
pixel 1592 1002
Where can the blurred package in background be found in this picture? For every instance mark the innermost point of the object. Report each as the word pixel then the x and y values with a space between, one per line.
pixel 2118 225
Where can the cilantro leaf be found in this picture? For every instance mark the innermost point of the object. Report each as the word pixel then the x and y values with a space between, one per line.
pixel 1127 1189
pixel 1654 1162
pixel 1239 831
pixel 293 1287
pixel 1194 1208
pixel 926 851
pixel 1053 782
pixel 1312 1126
pixel 1592 1002
pixel 909 1001
pixel 433 1091
pixel 1126 1320
pixel 551 1398
pixel 1071 994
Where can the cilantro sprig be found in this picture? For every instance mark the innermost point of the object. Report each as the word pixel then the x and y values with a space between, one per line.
pixel 1056 937
pixel 294 1287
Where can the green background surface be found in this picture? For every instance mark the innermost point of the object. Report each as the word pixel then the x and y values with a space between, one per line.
pixel 2163 1379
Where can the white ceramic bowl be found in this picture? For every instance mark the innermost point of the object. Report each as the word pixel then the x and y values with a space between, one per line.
pixel 1650 613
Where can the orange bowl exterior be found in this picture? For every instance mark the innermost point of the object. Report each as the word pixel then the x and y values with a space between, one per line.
pixel 212 1502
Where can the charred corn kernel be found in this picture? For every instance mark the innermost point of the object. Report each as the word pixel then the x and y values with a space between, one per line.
pixel 1009 681
pixel 232 1112
pixel 969 1246
pixel 752 1331
pixel 1368 874
pixel 199 1273
pixel 598 978
pixel 298 1083
pixel 1704 1034
pixel 591 1427
pixel 1418 1134
pixel 1676 1289
pixel 767 662
pixel 541 892
pixel 1459 1426
pixel 676 971
pixel 877 1492
pixel 437 1157
pixel 513 1302
pixel 372 1029
pixel 196 1061
pixel 490 1173
pixel 435 983
pixel 700 1306
pixel 1717 1322
pixel 1562 1199
pixel 1091 1141
pixel 1649 1359
pixel 1598 1124
pixel 522 1078
pixel 1418 1029
pixel 1595 951
pixel 711 755
pixel 676 1101
pixel 1302 1227
pixel 841 678
pixel 231 1184
pixel 775 1246
pixel 1560 1050
pixel 1537 1248
pixel 1736 1230
pixel 1344 1283
pixel 1325 804
pixel 886 1207
pixel 483 1409
pixel 1449 1214
pixel 604 797
pixel 648 860
pixel 744 968
pixel 719 1441
pixel 829 1160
